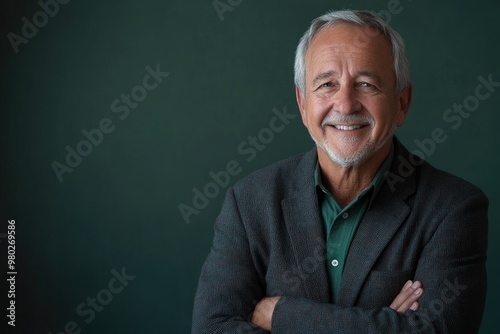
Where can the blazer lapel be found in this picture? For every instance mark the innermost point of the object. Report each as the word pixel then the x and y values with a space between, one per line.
pixel 304 226
pixel 381 221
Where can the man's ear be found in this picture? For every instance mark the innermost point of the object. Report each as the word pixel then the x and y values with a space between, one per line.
pixel 301 102
pixel 404 101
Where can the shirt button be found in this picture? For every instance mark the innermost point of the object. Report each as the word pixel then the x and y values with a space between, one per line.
pixel 335 262
pixel 345 215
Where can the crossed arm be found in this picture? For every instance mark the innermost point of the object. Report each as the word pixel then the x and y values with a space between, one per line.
pixel 407 299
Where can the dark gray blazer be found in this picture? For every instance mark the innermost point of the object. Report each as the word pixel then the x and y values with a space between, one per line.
pixel 269 240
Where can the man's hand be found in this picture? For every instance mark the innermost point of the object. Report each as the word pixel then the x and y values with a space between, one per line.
pixel 263 313
pixel 408 297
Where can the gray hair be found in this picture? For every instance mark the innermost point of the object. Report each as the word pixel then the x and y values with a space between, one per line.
pixel 359 18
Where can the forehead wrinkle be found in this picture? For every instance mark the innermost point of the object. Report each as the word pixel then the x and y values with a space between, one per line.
pixel 328 61
pixel 326 55
pixel 325 75
pixel 370 74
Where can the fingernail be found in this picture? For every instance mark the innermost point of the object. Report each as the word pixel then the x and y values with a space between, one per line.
pixel 414 285
pixel 407 285
pixel 418 291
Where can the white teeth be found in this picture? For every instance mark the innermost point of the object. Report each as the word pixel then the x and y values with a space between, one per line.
pixel 347 127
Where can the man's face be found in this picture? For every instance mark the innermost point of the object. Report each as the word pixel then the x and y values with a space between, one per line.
pixel 349 105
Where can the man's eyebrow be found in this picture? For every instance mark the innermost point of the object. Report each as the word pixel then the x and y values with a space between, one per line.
pixel 328 74
pixel 375 76
pixel 323 75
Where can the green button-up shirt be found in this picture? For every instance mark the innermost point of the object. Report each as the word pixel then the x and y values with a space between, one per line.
pixel 341 224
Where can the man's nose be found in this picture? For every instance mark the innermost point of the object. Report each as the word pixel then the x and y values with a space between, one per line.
pixel 346 101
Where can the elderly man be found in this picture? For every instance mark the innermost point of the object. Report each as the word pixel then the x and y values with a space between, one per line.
pixel 356 235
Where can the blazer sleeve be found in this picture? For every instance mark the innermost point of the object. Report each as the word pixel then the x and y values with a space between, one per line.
pixel 452 269
pixel 229 286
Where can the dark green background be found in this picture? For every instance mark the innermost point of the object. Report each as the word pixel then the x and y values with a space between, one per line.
pixel 119 207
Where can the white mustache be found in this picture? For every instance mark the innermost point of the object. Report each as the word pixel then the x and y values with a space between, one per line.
pixel 346 119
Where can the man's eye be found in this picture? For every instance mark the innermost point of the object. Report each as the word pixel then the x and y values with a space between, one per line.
pixel 327 84
pixel 365 85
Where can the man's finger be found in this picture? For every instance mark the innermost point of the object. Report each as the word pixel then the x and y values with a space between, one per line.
pixel 401 297
pixel 410 293
pixel 415 306
pixel 414 297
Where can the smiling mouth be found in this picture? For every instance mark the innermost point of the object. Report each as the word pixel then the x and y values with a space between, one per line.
pixel 348 127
